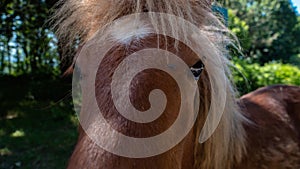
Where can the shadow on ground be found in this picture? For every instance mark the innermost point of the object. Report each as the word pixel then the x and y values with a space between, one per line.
pixel 37 122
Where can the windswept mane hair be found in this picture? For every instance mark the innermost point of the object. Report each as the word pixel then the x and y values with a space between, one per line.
pixel 79 20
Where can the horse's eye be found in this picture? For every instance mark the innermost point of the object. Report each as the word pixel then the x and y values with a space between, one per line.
pixel 197 69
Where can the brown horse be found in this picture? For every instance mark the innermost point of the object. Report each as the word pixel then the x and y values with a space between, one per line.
pixel 261 130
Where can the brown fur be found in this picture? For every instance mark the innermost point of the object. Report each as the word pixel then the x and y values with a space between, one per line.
pixel 273 137
pixel 88 155
pixel 188 154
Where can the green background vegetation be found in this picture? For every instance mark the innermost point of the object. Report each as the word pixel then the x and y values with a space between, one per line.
pixel 37 123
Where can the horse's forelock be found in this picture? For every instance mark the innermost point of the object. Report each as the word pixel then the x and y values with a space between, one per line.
pixel 78 20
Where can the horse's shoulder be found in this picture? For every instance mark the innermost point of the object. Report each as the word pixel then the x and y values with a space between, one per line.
pixel 272 134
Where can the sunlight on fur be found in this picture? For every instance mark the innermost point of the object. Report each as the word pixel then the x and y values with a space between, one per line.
pixel 79 20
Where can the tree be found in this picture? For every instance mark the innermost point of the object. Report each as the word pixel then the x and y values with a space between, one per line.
pixel 272 28
pixel 27 44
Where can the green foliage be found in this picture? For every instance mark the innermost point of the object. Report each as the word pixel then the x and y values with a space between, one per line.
pixel 269 30
pixel 241 30
pixel 249 77
pixel 295 60
pixel 26 44
pixel 269 34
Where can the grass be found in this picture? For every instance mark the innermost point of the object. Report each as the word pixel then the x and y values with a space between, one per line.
pixel 37 127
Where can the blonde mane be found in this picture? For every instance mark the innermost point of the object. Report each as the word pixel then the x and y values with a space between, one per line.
pixel 78 20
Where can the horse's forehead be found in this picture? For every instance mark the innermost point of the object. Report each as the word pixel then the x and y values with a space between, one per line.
pixel 121 50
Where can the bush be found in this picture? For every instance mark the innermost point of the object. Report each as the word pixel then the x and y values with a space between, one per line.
pixel 295 60
pixel 249 77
